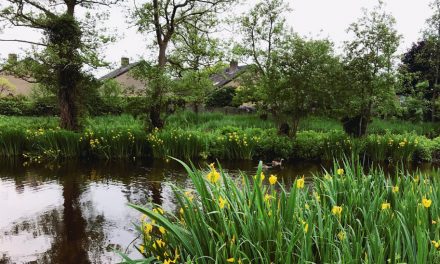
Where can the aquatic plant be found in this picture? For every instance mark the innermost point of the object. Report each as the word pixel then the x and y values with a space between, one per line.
pixel 200 136
pixel 340 216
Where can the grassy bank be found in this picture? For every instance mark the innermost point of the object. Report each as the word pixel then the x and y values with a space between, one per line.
pixel 232 137
pixel 104 137
pixel 342 216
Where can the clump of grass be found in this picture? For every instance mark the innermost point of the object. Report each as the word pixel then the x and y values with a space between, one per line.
pixel 380 126
pixel 391 147
pixel 12 142
pixel 51 144
pixel 210 121
pixel 319 124
pixel 342 216
pixel 39 139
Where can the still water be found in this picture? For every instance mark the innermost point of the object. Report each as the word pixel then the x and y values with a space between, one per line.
pixel 77 212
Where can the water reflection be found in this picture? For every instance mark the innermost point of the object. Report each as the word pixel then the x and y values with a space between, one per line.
pixel 77 212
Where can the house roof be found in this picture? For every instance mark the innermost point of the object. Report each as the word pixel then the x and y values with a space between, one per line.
pixel 219 79
pixel 118 71
pixel 227 75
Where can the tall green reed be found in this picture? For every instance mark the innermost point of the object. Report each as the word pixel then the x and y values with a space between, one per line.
pixel 342 216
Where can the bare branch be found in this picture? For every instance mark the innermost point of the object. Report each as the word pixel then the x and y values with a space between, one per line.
pixel 23 41
pixel 40 7
pixel 103 3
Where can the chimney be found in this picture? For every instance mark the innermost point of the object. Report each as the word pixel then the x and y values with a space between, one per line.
pixel 233 66
pixel 12 58
pixel 125 61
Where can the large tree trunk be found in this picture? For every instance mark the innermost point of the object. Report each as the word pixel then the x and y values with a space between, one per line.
pixel 68 108
pixel 65 36
pixel 155 109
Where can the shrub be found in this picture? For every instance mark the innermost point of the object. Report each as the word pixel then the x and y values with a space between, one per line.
pixel 221 97
pixel 272 146
pixel 44 106
pixel 13 106
pixel 136 106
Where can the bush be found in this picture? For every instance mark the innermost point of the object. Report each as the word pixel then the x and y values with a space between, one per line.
pixel 44 106
pixel 13 106
pixel 136 106
pixel 271 146
pixel 221 97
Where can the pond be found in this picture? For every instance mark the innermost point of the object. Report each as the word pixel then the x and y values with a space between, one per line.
pixel 77 212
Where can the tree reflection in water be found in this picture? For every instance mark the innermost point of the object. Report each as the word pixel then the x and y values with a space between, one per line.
pixel 78 232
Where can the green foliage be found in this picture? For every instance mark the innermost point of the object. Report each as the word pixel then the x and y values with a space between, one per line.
pixel 22 106
pixel 295 76
pixel 368 69
pixel 153 77
pixel 414 108
pixel 136 106
pixel 214 135
pixel 319 123
pixel 69 43
pixel 221 97
pixel 224 219
pixel 13 106
pixel 39 139
pixel 303 79
pixel 193 87
pixel 113 99
pixel 395 126
pixel 391 147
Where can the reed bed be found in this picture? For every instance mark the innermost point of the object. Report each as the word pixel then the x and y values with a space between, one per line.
pixel 193 136
pixel 341 216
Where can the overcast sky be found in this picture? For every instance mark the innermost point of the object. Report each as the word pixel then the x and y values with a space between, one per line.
pixel 315 18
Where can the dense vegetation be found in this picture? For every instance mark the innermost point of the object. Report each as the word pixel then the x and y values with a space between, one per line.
pixel 308 102
pixel 297 76
pixel 214 135
pixel 343 216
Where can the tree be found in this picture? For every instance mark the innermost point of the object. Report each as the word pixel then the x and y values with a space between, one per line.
pixel 432 36
pixel 194 87
pixel 423 60
pixel 195 56
pixel 305 78
pixel 262 30
pixel 195 49
pixel 369 68
pixel 166 18
pixel 68 44
pixel 417 81
pixel 295 76
pixel 6 87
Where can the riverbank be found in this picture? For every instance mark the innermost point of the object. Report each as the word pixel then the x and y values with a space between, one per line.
pixel 214 135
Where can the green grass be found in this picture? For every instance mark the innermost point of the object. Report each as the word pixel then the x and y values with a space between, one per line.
pixel 214 120
pixel 319 124
pixel 339 217
pixel 429 129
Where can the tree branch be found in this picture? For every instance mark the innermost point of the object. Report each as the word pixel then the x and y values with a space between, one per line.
pixel 23 41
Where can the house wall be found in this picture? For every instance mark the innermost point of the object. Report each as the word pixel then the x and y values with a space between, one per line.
pixel 131 85
pixel 22 87
pixel 234 83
